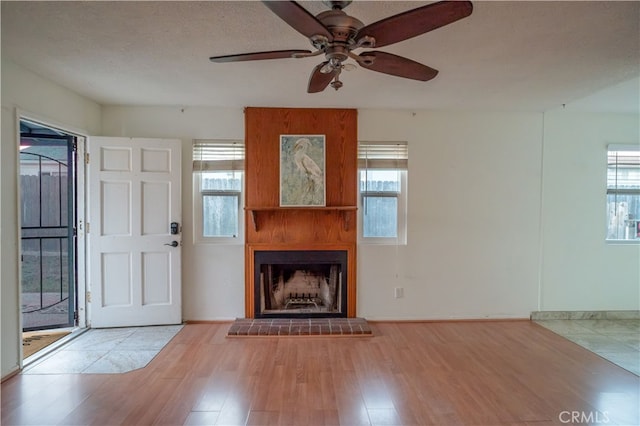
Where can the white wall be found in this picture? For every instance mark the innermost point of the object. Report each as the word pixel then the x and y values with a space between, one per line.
pixel 22 90
pixel 473 225
pixel 470 254
pixel 580 271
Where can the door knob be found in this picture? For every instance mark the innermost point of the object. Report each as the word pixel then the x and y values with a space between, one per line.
pixel 172 244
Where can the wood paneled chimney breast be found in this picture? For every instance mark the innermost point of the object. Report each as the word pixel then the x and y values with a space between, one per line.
pixel 270 227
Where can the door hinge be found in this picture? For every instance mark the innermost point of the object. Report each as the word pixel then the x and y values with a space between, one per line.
pixel 87 227
pixel 86 158
pixel 88 297
pixel 75 316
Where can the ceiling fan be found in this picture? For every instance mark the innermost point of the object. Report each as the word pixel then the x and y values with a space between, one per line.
pixel 336 35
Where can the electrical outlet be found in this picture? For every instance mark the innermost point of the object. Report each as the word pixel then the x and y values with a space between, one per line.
pixel 399 292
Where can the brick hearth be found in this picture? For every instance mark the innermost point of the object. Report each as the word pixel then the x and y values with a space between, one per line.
pixel 300 327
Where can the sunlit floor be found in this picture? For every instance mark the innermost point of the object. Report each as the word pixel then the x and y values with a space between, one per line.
pixel 615 340
pixel 499 373
pixel 120 350
pixel 115 350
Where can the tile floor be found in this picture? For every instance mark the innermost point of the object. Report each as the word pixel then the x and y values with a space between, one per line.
pixel 615 340
pixel 96 351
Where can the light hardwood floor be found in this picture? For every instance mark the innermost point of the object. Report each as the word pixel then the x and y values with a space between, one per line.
pixel 448 373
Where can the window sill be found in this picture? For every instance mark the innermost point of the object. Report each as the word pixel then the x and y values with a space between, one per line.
pixel 371 241
pixel 219 241
pixel 623 242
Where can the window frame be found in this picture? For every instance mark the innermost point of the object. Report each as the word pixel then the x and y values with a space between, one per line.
pixel 619 191
pixel 384 158
pixel 228 165
pixel 401 212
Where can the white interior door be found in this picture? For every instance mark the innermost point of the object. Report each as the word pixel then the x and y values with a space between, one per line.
pixel 134 196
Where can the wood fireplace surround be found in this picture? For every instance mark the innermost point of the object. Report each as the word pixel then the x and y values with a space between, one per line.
pixel 269 227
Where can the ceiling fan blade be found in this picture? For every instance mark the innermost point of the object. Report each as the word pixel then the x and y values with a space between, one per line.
pixel 257 56
pixel 319 80
pixel 416 21
pixel 397 65
pixel 299 18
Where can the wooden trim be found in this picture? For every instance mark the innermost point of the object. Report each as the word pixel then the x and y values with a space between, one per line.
pixel 271 227
pixel 328 208
pixel 249 262
pixel 352 282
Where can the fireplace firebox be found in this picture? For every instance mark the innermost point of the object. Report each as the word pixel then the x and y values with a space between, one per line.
pixel 300 284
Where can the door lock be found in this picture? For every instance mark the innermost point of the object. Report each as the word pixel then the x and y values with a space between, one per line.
pixel 175 228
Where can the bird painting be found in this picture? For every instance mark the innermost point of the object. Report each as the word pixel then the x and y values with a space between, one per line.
pixel 306 166
pixel 301 170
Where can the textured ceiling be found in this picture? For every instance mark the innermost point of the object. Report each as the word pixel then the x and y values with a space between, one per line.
pixel 529 56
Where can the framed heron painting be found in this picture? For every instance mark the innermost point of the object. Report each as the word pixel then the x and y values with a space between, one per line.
pixel 302 171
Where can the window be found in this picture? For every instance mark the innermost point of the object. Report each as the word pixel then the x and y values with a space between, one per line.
pixel 383 191
pixel 218 172
pixel 623 193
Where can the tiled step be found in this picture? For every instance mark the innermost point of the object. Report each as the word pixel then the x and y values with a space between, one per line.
pixel 300 327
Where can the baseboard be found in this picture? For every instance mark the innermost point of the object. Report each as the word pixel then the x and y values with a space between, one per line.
pixel 419 321
pixel 14 371
pixel 582 315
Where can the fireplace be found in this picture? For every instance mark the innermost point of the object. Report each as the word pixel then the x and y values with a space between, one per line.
pixel 300 283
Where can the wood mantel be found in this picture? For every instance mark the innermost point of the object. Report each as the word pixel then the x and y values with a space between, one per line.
pixel 315 228
pixel 343 210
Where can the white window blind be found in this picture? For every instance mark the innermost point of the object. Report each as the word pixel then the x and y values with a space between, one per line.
pixel 211 155
pixel 383 155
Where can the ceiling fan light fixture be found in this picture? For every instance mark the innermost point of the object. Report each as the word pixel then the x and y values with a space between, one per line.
pixel 327 68
pixel 366 42
pixel 319 41
pixel 336 35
